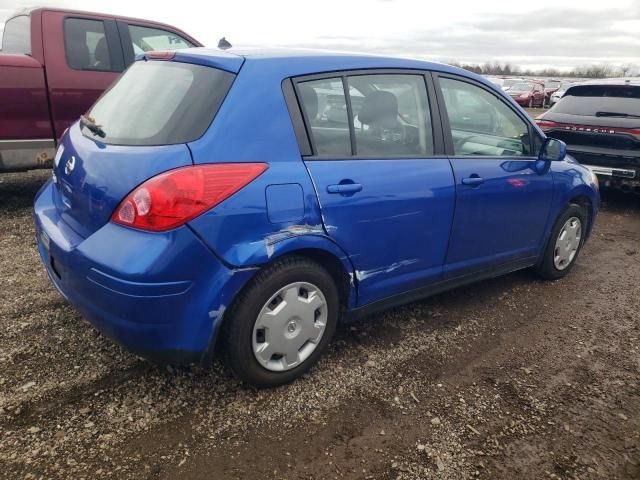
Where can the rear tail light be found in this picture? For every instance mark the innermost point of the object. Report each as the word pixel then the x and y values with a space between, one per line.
pixel 173 198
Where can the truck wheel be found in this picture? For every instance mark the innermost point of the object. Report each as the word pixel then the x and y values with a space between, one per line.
pixel 280 324
pixel 565 242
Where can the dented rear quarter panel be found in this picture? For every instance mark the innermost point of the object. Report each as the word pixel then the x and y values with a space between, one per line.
pixel 253 125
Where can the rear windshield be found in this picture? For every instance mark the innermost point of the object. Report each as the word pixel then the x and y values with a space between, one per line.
pixel 588 100
pixel 17 35
pixel 159 103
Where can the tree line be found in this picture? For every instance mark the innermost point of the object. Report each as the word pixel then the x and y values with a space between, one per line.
pixel 587 71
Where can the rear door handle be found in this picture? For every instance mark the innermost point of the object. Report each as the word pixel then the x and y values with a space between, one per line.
pixel 473 181
pixel 343 188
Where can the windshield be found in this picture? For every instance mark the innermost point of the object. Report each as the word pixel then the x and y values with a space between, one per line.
pixel 607 99
pixel 158 103
pixel 552 84
pixel 520 87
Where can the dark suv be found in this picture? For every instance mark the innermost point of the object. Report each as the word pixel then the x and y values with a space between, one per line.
pixel 600 123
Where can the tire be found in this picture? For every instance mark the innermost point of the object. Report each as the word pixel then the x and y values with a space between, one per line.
pixel 553 264
pixel 243 334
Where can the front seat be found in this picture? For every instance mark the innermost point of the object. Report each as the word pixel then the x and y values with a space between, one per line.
pixel 101 55
pixel 379 109
pixel 385 132
pixel 77 51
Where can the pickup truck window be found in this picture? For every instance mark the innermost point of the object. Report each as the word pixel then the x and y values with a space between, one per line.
pixel 17 35
pixel 145 39
pixel 85 44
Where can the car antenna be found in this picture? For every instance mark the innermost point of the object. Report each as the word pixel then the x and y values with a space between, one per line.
pixel 224 44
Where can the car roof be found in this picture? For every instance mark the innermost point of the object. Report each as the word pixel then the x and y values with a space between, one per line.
pixel 295 62
pixel 622 81
pixel 30 10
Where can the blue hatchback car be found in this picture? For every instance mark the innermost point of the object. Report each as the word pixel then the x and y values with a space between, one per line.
pixel 253 199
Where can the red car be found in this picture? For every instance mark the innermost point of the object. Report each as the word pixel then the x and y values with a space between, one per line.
pixel 527 94
pixel 54 64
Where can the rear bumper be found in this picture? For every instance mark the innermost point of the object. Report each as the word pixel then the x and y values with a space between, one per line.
pixel 160 295
pixel 612 172
pixel 610 166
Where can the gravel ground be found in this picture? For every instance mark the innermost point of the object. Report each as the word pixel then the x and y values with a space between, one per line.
pixel 509 378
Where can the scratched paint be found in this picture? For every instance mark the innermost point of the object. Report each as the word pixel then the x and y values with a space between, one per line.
pixel 362 275
pixel 290 232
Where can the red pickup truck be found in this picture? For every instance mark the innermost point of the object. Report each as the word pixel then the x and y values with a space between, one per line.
pixel 53 66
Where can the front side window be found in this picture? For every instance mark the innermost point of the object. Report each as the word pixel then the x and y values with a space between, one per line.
pixel 145 39
pixel 391 115
pixel 325 109
pixel 159 103
pixel 17 35
pixel 481 124
pixel 85 44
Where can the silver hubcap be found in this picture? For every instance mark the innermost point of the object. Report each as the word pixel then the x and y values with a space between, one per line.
pixel 289 326
pixel 567 243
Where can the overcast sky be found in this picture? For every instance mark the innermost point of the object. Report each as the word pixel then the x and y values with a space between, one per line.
pixel 536 34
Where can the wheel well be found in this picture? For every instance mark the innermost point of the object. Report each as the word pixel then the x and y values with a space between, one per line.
pixel 584 202
pixel 332 264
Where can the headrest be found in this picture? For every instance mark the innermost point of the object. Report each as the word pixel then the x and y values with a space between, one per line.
pixel 309 99
pixel 379 106
pixel 101 53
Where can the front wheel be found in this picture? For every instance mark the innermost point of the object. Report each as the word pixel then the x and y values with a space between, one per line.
pixel 281 322
pixel 565 242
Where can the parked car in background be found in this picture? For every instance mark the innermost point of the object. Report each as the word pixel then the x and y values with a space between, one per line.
pixel 497 81
pixel 507 83
pixel 562 88
pixel 527 93
pixel 600 122
pixel 550 87
pixel 337 190
pixel 54 64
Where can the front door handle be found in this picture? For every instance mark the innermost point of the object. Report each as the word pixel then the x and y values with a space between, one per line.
pixel 473 181
pixel 344 188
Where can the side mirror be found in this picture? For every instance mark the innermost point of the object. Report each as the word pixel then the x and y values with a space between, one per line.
pixel 553 150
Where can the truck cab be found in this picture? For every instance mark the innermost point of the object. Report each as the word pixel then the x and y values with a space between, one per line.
pixel 54 64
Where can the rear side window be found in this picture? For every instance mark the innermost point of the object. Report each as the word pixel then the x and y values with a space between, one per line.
pixel 17 35
pixel 600 100
pixel 85 44
pixel 481 124
pixel 160 103
pixel 390 116
pixel 145 39
pixel 325 109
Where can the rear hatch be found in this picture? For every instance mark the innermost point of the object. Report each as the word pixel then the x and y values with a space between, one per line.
pixel 597 120
pixel 136 130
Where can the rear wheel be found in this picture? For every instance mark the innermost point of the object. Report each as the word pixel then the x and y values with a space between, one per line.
pixel 281 323
pixel 565 242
